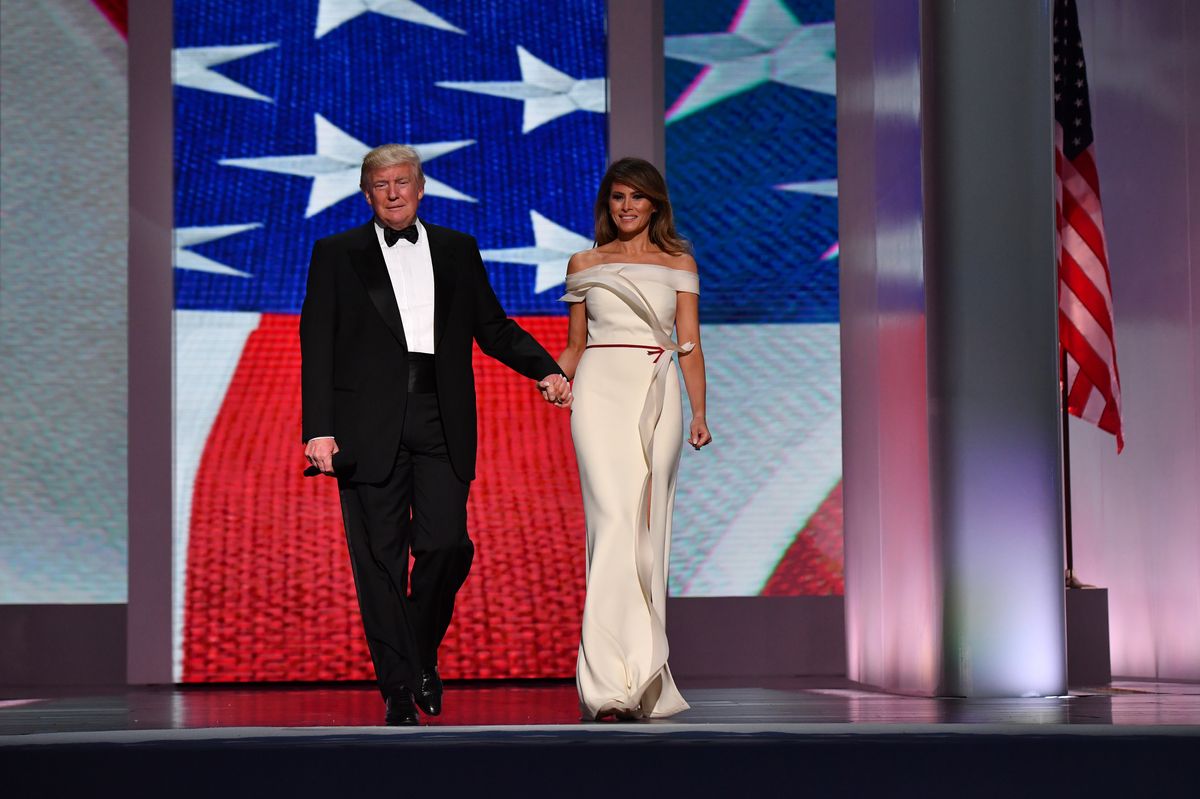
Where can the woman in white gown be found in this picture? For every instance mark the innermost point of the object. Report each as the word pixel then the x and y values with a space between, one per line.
pixel 628 293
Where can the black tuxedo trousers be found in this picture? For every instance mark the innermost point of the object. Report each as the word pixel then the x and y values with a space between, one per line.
pixel 420 508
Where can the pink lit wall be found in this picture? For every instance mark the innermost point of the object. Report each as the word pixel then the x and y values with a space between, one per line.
pixel 1137 514
pixel 893 596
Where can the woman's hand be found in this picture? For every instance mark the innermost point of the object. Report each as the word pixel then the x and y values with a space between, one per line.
pixel 556 390
pixel 698 435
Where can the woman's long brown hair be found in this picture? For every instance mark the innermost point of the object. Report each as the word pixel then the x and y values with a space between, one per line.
pixel 641 176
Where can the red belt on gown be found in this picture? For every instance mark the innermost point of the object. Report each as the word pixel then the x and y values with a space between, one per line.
pixel 656 351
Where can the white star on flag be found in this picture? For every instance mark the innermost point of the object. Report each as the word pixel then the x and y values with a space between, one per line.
pixel 190 236
pixel 820 188
pixel 191 67
pixel 333 13
pixel 546 92
pixel 766 44
pixel 335 166
pixel 553 247
pixel 823 188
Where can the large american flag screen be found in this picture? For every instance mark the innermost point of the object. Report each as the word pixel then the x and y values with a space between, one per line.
pixel 275 104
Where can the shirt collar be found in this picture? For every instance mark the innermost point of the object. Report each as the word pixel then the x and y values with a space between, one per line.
pixel 379 226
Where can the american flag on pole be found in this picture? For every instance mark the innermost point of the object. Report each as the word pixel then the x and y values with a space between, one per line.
pixel 1085 308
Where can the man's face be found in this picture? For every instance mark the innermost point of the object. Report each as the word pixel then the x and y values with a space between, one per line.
pixel 394 192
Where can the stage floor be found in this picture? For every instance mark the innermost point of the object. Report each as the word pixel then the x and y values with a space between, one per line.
pixel 825 735
pixel 767 704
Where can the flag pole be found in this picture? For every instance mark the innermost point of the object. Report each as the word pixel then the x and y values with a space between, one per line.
pixel 1071 582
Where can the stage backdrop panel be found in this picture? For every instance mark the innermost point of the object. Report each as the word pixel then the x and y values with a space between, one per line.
pixel 63 364
pixel 752 164
pixel 275 104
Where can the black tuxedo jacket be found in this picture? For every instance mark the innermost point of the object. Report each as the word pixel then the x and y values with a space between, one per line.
pixel 355 359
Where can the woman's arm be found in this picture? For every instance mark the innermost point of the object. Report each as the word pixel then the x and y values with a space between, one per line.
pixel 576 340
pixel 687 326
pixel 576 326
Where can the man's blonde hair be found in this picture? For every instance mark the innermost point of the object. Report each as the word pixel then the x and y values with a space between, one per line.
pixel 387 155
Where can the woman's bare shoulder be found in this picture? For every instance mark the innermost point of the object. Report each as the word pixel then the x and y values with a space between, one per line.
pixel 583 260
pixel 684 262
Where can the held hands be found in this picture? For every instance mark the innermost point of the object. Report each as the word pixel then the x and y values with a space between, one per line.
pixel 556 389
pixel 319 452
pixel 698 434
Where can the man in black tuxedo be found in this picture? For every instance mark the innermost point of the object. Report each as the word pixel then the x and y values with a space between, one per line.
pixel 389 315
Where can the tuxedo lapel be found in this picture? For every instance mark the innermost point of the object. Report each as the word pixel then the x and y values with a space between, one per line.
pixel 367 261
pixel 445 278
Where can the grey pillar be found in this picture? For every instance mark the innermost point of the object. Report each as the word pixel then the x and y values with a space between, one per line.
pixel 635 80
pixel 954 572
pixel 151 299
pixel 995 440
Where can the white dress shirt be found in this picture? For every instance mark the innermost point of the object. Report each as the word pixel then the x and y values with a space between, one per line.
pixel 410 268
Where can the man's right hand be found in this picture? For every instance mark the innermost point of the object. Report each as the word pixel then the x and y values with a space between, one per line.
pixel 319 452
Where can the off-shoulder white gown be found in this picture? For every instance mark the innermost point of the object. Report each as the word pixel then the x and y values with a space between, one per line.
pixel 627 425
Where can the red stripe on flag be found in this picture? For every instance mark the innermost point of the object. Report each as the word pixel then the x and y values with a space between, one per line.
pixel 1078 393
pixel 117 14
pixel 1093 375
pixel 813 563
pixel 1093 367
pixel 1085 165
pixel 520 611
pixel 1086 291
pixel 269 594
pixel 1076 217
pixel 1110 419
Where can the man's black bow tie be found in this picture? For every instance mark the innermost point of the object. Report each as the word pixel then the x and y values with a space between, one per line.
pixel 393 236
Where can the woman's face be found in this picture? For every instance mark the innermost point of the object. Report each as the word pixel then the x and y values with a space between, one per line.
pixel 630 210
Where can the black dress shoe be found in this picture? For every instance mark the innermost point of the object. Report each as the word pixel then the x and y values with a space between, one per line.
pixel 401 712
pixel 429 697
